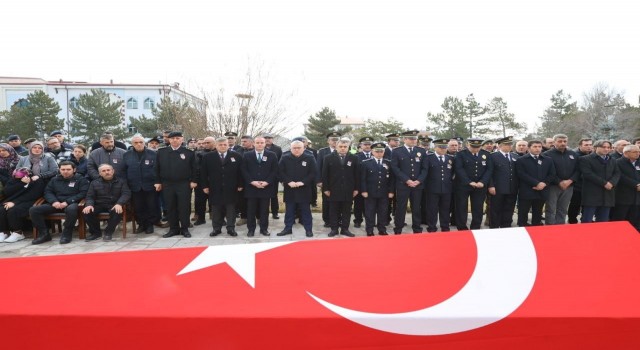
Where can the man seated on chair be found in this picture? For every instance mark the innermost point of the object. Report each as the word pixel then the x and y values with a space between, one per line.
pixel 62 194
pixel 107 194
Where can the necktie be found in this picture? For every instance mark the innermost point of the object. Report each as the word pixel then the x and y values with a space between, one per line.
pixel 506 155
pixel 441 159
pixel 341 159
pixel 410 149
pixel 379 163
pixel 222 156
pixel 260 157
pixel 367 155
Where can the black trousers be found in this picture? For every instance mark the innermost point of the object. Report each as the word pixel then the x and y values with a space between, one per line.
pixel 438 205
pixel 220 211
pixel 358 209
pixel 200 203
pixel 258 207
pixel 536 211
pixel 627 212
pixel 94 223
pixel 403 197
pixel 376 208
pixel 340 214
pixel 38 213
pixel 241 207
pixel 275 205
pixel 501 210
pixel 325 209
pixel 177 201
pixel 477 197
pixel 147 208
pixel 574 207
pixel 13 219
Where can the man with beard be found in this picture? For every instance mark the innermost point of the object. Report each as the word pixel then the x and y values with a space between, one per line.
pixel 561 189
pixel 57 151
pixel 585 147
pixel 60 136
pixel 107 154
pixel 107 194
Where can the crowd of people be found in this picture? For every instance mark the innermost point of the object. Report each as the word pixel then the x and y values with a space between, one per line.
pixel 439 180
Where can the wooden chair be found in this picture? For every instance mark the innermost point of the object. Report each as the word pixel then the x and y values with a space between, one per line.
pixel 57 218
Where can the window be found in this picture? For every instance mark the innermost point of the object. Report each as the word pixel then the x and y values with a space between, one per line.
pixel 148 103
pixel 73 102
pixel 21 103
pixel 132 103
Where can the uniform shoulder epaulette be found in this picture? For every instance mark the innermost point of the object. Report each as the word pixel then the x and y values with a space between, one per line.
pixel 366 160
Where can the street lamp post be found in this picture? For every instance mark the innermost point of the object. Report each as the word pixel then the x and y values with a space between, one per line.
pixel 244 100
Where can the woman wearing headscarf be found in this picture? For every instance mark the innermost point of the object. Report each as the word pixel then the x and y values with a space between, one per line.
pixel 43 166
pixel 8 161
pixel 19 195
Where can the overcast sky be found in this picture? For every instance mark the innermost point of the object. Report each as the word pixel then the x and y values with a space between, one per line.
pixel 365 59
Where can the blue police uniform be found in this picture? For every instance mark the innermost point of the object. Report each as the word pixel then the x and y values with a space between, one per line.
pixel 439 191
pixel 408 165
pixel 471 168
pixel 378 181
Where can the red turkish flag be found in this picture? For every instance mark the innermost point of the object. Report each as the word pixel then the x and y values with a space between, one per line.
pixel 585 295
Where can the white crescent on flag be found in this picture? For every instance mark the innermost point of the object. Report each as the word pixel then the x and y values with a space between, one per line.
pixel 503 278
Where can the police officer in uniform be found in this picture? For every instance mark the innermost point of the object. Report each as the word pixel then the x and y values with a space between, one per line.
pixel 332 139
pixel 473 170
pixel 340 184
pixel 503 186
pixel 377 185
pixel 231 138
pixel 439 186
pixel 409 169
pixel 393 142
pixel 358 201
pixel 270 146
pixel 176 170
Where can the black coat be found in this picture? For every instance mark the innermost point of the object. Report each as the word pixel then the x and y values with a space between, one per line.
pixel 340 179
pixel 322 153
pixel 504 177
pixel 377 181
pixel 531 172
pixel 140 169
pixel 566 164
pixel 627 189
pixel 176 166
pixel 595 174
pixel 108 193
pixel 15 191
pixel 409 166
pixel 439 175
pixel 266 170
pixel 469 168
pixel 71 190
pixel 275 149
pixel 222 178
pixel 298 169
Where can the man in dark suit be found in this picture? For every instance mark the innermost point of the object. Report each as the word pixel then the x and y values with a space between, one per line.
pixel 297 171
pixel 332 139
pixel 535 173
pixel 201 198
pixel 340 185
pixel 473 169
pixel 393 142
pixel 600 175
pixel 221 179
pixel 585 147
pixel 358 201
pixel 628 189
pixel 503 187
pixel 439 186
pixel 377 185
pixel 260 172
pixel 275 205
pixel 410 171
pixel 176 170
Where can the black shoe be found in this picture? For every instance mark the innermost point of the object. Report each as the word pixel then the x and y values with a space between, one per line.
pixel 106 237
pixel 232 233
pixel 357 224
pixel 186 234
pixel 284 233
pixel 161 224
pixel 265 233
pixel 200 222
pixel 214 233
pixel 251 233
pixel 276 217
pixel 347 233
pixel 93 237
pixel 383 233
pixel 333 233
pixel 140 229
pixel 309 234
pixel 191 225
pixel 327 225
pixel 171 233
pixel 41 239
pixel 64 239
pixel 149 229
pixel 370 233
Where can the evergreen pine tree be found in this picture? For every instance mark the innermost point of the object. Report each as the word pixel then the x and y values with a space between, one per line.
pixel 96 113
pixel 320 125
